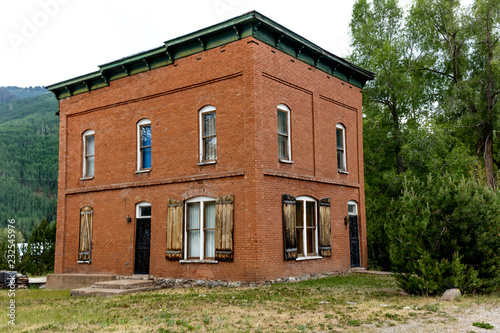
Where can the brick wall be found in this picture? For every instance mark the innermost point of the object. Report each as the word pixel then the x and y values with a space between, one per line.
pixel 245 81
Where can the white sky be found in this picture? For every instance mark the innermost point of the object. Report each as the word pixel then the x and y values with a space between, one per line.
pixel 43 42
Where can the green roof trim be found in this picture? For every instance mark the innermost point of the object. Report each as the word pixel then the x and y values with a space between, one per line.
pixel 249 24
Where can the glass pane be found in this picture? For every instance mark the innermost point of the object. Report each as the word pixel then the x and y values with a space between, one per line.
pixel 194 244
pixel 208 124
pixel 300 241
pixel 340 160
pixel 210 244
pixel 210 148
pixel 299 212
pixel 282 147
pixel 89 166
pixel 282 123
pixel 146 158
pixel 209 215
pixel 146 135
pixel 352 209
pixel 311 244
pixel 89 145
pixel 340 138
pixel 193 215
pixel 144 211
pixel 310 221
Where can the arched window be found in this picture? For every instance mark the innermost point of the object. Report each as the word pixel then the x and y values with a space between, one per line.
pixel 284 145
pixel 143 209
pixel 200 228
pixel 88 153
pixel 85 244
pixel 341 153
pixel 144 145
pixel 352 208
pixel 208 135
pixel 306 225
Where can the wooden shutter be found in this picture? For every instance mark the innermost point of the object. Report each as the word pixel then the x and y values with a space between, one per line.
pixel 175 218
pixel 325 242
pixel 224 212
pixel 85 247
pixel 289 227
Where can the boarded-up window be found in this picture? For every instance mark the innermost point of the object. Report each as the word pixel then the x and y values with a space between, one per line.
pixel 224 228
pixel 325 244
pixel 175 219
pixel 289 227
pixel 85 247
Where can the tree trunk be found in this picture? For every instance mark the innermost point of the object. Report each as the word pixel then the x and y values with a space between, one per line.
pixel 488 160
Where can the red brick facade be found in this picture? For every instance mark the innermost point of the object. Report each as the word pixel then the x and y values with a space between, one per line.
pixel 244 80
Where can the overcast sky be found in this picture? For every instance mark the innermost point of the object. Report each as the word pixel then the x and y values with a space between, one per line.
pixel 47 41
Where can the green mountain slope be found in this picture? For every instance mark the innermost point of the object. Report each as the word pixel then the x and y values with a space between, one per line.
pixel 28 157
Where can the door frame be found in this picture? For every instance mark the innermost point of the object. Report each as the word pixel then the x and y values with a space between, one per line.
pixel 354 213
pixel 143 213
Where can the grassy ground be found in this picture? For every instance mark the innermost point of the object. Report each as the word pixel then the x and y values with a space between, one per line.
pixel 358 302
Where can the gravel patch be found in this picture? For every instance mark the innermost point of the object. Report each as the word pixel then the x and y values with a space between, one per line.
pixel 453 318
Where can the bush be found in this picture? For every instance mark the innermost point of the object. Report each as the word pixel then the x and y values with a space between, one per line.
pixel 445 233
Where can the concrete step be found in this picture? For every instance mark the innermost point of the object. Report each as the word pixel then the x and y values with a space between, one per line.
pixel 124 284
pixel 92 291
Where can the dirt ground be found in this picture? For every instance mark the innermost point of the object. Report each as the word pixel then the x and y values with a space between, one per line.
pixel 452 318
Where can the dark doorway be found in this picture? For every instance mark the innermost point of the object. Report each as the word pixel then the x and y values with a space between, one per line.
pixel 142 245
pixel 354 240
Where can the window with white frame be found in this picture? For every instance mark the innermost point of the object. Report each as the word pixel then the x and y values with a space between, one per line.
pixel 284 147
pixel 341 160
pixel 88 153
pixel 143 209
pixel 208 135
pixel 352 208
pixel 200 228
pixel 144 145
pixel 306 225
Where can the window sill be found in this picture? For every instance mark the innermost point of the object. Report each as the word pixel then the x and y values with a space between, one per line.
pixel 87 178
pixel 198 261
pixel 207 163
pixel 285 161
pixel 84 261
pixel 143 171
pixel 308 258
pixel 344 172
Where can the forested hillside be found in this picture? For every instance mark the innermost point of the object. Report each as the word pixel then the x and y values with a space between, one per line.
pixel 28 156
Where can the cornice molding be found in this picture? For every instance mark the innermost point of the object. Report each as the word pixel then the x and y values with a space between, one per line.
pixel 249 24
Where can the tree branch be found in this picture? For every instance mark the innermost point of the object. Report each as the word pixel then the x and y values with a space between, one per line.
pixel 438 72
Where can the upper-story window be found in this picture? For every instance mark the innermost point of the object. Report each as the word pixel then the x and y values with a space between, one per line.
pixel 144 145
pixel 341 160
pixel 88 153
pixel 284 147
pixel 208 135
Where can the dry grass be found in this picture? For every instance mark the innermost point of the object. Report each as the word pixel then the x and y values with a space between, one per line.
pixel 358 302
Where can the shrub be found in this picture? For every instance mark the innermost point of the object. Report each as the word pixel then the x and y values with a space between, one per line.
pixel 444 233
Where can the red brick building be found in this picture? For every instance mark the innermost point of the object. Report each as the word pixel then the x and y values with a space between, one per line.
pixel 232 153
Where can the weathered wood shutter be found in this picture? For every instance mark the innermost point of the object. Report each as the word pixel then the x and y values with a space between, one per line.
pixel 289 227
pixel 85 247
pixel 224 212
pixel 175 218
pixel 325 242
